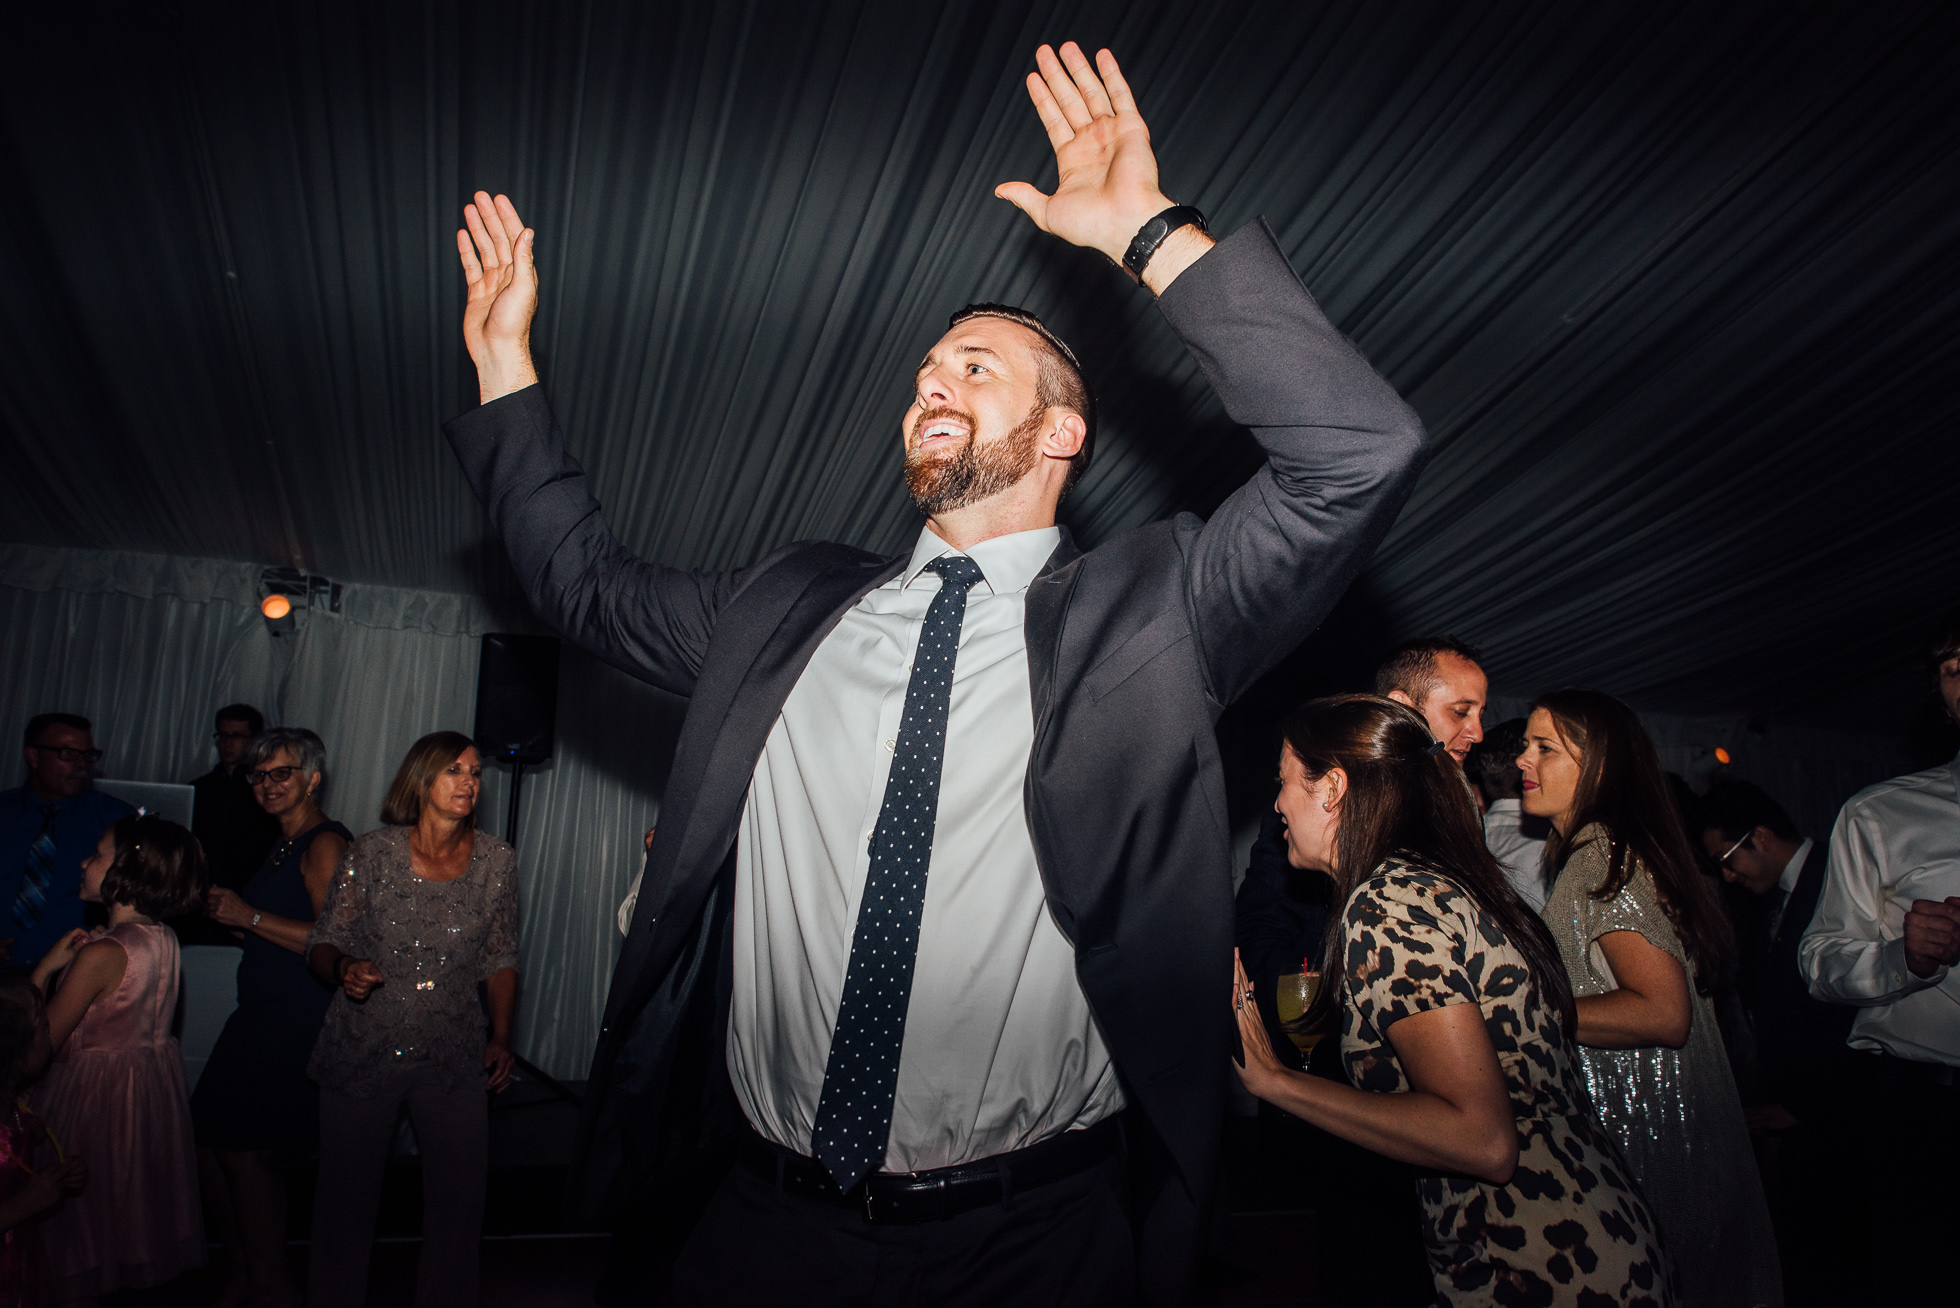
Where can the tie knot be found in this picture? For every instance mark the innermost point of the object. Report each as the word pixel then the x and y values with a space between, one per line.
pixel 956 570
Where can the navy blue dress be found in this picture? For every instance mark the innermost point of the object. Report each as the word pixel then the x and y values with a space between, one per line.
pixel 254 1093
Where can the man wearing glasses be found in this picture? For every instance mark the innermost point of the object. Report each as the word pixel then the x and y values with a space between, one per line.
pixel 236 833
pixel 47 827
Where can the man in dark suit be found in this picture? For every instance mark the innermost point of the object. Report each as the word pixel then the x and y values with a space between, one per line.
pixel 1801 1114
pixel 1761 852
pixel 929 1082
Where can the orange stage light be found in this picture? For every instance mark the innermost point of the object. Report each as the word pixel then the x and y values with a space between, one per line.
pixel 275 606
pixel 1722 756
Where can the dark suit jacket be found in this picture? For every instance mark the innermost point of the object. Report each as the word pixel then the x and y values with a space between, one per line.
pixel 1797 1037
pixel 1134 648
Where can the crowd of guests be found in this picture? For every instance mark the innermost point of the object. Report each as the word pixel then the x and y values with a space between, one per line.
pixel 378 974
pixel 1522 939
pixel 1521 935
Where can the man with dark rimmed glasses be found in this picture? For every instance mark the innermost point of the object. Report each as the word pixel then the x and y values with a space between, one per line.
pixel 47 827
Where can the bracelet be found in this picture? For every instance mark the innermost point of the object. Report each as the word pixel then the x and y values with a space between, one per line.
pixel 1153 234
pixel 255 920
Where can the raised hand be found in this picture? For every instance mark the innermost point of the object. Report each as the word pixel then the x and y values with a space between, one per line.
pixel 495 247
pixel 1107 173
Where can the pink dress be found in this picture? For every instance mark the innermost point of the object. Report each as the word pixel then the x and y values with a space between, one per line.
pixel 115 1096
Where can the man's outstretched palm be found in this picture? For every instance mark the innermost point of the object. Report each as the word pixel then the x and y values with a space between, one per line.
pixel 1107 183
pixel 495 247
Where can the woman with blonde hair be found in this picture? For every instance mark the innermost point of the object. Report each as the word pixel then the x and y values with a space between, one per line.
pixel 420 917
pixel 1645 942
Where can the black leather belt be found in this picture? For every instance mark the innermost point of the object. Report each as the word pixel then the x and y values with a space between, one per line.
pixel 904 1197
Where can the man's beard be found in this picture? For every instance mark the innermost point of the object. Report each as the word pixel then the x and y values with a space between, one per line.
pixel 942 482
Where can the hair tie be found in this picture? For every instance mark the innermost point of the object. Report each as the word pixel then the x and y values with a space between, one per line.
pixel 1434 749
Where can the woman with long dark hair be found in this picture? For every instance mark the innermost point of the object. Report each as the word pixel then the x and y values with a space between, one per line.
pixel 1644 943
pixel 1453 1010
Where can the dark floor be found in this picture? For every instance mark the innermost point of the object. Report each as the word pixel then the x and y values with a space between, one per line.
pixel 1359 1249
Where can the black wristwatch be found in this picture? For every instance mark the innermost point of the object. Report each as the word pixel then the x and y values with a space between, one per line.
pixel 1153 233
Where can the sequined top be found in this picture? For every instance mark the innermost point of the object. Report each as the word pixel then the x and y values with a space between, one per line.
pixel 433 941
pixel 1675 1112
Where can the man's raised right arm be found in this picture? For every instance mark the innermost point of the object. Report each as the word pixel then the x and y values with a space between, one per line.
pixel 649 620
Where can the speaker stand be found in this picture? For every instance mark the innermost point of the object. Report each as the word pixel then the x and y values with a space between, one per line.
pixel 516 786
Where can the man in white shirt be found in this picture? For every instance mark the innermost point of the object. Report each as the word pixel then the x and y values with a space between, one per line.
pixel 1440 678
pixel 1886 938
pixel 920 1076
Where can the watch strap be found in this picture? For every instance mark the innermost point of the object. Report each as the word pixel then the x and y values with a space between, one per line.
pixel 1153 233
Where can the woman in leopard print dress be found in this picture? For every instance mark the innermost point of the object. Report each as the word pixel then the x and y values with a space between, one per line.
pixel 1454 1013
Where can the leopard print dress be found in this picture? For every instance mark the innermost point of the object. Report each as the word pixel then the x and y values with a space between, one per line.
pixel 1570 1226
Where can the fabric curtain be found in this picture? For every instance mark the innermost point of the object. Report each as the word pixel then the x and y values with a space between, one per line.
pixel 148 646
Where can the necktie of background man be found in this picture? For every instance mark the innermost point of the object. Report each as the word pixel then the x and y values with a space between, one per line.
pixel 854 1110
pixel 32 901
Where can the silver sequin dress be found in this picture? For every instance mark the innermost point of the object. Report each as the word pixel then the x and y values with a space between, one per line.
pixel 433 941
pixel 1675 1112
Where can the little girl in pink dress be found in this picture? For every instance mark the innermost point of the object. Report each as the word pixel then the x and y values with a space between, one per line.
pixel 117 1082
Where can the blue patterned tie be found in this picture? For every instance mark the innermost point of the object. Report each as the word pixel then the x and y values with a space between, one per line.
pixel 32 901
pixel 854 1111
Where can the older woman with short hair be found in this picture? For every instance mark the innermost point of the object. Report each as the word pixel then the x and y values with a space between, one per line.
pixel 254 1099
pixel 422 914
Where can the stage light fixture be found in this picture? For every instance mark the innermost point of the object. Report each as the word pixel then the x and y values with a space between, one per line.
pixel 1722 756
pixel 275 607
pixel 287 595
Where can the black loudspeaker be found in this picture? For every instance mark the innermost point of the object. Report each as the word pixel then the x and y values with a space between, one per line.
pixel 516 697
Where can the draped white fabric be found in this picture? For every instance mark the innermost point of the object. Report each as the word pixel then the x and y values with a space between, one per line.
pixel 148 646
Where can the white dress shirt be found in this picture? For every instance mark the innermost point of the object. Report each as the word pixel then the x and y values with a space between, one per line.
pixel 1000 1049
pixel 1522 857
pixel 1894 842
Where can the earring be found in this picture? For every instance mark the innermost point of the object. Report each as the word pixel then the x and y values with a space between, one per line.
pixel 1326 807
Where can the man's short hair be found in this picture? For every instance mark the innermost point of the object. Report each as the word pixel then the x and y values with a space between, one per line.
pixel 1411 668
pixel 1058 381
pixel 245 713
pixel 1943 640
pixel 37 726
pixel 1737 807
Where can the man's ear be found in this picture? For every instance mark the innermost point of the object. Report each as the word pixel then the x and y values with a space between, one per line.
pixel 1763 838
pixel 1401 698
pixel 1065 434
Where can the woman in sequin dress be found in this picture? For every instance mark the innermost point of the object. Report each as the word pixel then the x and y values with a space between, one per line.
pixel 1453 1011
pixel 421 915
pixel 1644 941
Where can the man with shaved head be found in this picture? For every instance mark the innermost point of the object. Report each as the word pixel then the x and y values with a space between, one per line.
pixel 942 886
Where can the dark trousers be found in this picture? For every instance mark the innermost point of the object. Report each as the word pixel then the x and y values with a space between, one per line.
pixel 452 1129
pixel 1908 1137
pixel 1065 1243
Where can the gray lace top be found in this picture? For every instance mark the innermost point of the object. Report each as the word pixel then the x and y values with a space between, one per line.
pixel 433 941
pixel 1674 1112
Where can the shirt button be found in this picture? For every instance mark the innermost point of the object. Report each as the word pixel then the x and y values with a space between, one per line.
pixel 891 747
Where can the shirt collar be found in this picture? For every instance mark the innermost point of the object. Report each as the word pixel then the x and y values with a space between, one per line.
pixel 1007 563
pixel 1788 881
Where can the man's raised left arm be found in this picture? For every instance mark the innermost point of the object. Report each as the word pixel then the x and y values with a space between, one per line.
pixel 1342 448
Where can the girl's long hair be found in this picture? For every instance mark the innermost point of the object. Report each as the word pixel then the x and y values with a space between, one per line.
pixel 1406 798
pixel 1622 788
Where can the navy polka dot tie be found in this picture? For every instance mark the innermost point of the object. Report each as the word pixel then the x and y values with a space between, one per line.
pixel 854 1112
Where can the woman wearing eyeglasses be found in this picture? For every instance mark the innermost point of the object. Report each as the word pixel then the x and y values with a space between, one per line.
pixel 254 1098
pixel 1645 942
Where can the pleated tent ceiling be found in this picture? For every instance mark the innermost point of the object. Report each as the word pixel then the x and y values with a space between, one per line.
pixel 1676 289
